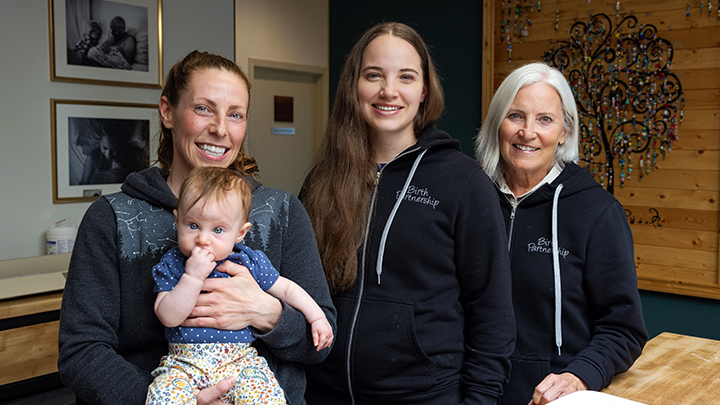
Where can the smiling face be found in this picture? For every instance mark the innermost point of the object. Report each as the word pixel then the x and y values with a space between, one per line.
pixel 208 124
pixel 391 88
pixel 530 134
pixel 213 225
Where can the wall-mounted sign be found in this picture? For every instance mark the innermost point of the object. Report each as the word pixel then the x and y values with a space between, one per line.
pixel 283 131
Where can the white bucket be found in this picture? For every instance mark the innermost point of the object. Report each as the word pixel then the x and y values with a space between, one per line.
pixel 60 238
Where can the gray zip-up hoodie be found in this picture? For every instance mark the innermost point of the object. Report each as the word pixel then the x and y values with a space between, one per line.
pixel 110 339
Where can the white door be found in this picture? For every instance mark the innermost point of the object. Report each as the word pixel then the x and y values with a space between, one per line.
pixel 284 150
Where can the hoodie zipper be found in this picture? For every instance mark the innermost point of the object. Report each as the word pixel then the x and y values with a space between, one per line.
pixel 361 288
pixel 512 225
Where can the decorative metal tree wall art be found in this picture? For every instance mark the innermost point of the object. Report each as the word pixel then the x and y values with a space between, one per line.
pixel 630 103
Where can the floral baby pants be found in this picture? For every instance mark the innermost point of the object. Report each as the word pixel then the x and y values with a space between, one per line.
pixel 190 368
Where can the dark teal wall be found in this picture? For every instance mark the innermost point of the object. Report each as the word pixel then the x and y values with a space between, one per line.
pixel 453 31
pixel 680 314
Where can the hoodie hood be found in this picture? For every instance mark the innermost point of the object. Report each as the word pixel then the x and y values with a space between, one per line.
pixel 151 185
pixel 433 137
pixel 573 178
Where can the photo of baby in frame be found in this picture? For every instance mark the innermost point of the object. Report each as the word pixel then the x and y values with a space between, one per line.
pixel 106 41
pixel 96 145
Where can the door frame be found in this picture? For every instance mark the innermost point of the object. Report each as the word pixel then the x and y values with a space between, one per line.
pixel 322 86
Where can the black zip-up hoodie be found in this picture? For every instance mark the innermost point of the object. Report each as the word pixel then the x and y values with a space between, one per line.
pixel 432 321
pixel 602 328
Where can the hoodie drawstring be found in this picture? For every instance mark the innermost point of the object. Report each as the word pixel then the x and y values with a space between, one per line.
pixel 556 271
pixel 383 239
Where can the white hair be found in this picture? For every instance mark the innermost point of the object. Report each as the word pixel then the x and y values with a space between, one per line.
pixel 487 144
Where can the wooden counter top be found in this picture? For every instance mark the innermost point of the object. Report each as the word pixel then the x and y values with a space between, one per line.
pixel 35 304
pixel 673 370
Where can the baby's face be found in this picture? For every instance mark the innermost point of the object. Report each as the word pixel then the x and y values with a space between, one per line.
pixel 95 33
pixel 211 225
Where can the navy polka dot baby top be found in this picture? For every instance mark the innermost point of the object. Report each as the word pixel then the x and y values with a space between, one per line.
pixel 167 273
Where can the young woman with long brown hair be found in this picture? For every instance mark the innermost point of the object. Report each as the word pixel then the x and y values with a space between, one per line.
pixel 411 238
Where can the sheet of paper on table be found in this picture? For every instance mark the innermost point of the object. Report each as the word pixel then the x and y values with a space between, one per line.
pixel 592 398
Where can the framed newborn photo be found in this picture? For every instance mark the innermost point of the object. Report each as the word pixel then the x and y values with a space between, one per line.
pixel 113 42
pixel 95 145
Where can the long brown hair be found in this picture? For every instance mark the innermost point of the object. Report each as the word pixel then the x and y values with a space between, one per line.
pixel 337 192
pixel 176 82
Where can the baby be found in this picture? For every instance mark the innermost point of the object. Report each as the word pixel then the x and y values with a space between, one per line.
pixel 102 54
pixel 212 220
pixel 89 40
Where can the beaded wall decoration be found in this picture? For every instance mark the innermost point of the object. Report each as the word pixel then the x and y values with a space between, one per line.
pixel 516 13
pixel 515 21
pixel 688 10
pixel 630 103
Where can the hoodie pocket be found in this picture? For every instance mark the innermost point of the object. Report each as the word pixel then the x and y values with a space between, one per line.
pixel 527 372
pixel 388 357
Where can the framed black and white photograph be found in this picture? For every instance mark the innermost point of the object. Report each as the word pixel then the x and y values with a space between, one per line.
pixel 95 145
pixel 114 42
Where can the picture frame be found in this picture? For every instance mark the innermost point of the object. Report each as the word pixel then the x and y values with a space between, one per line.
pixel 111 42
pixel 95 145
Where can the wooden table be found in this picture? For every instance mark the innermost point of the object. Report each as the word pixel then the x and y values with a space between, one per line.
pixel 673 370
pixel 28 348
pixel 30 298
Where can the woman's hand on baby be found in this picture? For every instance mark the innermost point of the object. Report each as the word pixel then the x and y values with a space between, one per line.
pixel 200 263
pixel 322 333
pixel 235 303
pixel 211 395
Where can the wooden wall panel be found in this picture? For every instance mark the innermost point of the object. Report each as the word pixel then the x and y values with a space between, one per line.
pixel 675 218
pixel 649 273
pixel 677 179
pixel 689 239
pixel 668 198
pixel 673 210
pixel 698 139
pixel 701 78
pixel 690 159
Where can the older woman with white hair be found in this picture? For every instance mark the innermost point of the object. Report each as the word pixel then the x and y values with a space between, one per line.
pixel 577 307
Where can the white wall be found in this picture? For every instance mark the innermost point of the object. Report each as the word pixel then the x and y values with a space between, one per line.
pixel 26 207
pixel 289 31
pixel 294 33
